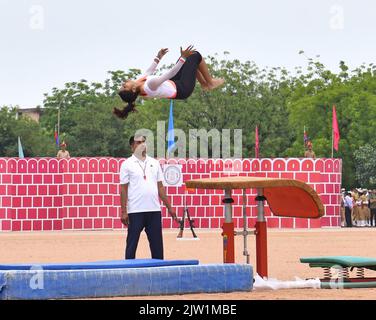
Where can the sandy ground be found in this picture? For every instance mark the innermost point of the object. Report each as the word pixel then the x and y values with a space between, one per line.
pixel 285 247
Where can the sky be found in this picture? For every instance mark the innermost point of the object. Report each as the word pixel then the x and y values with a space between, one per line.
pixel 47 43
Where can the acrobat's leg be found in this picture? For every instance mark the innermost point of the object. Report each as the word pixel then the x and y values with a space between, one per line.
pixel 200 78
pixel 211 82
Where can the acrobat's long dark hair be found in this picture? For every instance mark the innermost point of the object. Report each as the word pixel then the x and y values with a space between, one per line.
pixel 130 97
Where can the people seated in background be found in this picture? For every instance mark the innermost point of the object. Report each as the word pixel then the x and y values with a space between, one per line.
pixel 63 153
pixel 363 215
pixel 363 209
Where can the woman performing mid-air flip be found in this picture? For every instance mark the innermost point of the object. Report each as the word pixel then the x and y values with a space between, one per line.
pixel 177 83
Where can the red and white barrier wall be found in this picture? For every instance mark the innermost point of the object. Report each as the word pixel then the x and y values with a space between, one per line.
pixel 83 193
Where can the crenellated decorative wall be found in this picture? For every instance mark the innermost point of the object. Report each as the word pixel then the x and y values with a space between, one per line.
pixel 83 193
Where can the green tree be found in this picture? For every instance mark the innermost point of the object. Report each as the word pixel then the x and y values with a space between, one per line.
pixel 86 121
pixel 35 140
pixel 365 165
pixel 310 104
pixel 249 97
pixel 8 137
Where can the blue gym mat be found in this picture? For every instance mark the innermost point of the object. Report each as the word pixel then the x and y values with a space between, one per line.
pixel 115 264
pixel 121 278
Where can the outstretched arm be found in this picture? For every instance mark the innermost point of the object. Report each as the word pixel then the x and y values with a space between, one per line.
pixel 157 81
pixel 156 60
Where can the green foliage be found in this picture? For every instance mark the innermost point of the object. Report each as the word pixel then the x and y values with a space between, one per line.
pixel 365 165
pixel 34 139
pixel 8 138
pixel 249 97
pixel 354 95
pixel 86 122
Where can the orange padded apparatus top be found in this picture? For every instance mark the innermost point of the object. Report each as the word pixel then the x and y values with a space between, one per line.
pixel 286 197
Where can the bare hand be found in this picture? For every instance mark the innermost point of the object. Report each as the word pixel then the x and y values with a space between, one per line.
pixel 125 218
pixel 173 215
pixel 187 52
pixel 161 53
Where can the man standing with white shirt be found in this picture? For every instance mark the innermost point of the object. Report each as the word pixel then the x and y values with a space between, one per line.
pixel 141 187
pixel 348 207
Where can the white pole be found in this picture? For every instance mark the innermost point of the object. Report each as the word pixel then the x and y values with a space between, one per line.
pixel 245 230
pixel 18 141
pixel 58 123
pixel 332 144
pixel 304 144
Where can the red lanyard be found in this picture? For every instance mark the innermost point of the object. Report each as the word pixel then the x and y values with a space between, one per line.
pixel 143 169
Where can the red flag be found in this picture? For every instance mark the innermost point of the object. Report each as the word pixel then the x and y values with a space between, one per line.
pixel 257 143
pixel 56 137
pixel 336 136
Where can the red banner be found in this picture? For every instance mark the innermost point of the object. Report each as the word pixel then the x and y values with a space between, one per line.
pixel 336 136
